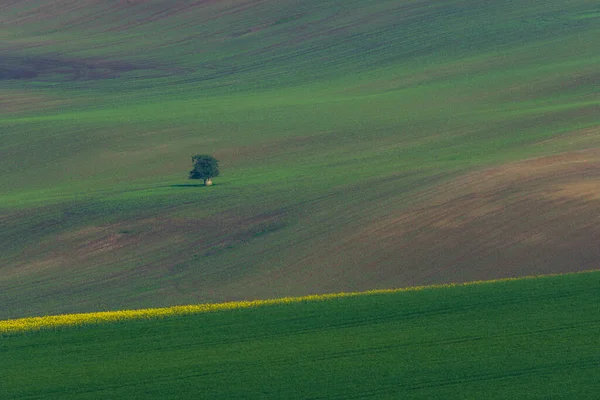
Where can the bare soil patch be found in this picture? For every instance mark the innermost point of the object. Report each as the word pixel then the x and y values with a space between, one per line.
pixel 141 247
pixel 532 217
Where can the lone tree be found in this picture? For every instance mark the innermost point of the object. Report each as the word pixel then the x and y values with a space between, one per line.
pixel 205 167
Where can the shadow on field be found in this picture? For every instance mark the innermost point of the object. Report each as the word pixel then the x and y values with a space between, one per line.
pixel 182 185
pixel 187 185
pixel 15 67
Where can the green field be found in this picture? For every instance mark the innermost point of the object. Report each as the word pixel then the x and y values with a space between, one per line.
pixel 523 339
pixel 363 145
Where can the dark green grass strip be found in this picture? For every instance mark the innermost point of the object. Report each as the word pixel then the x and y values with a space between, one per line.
pixel 517 339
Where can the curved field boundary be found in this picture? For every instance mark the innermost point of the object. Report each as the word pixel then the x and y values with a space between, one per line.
pixel 55 321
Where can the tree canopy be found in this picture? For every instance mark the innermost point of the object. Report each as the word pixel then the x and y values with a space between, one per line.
pixel 205 167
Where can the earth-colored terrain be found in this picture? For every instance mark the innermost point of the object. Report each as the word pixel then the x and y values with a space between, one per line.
pixel 363 145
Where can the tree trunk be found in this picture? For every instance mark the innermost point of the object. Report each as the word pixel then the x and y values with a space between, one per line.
pixel 207 182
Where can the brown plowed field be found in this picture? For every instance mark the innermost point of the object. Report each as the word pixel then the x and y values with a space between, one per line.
pixel 533 217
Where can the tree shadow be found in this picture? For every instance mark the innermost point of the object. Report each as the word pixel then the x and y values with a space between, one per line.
pixel 182 185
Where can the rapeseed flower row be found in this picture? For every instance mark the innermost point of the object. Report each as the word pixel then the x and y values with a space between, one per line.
pixel 54 321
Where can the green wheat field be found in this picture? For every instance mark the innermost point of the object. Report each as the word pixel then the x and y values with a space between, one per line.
pixel 363 145
pixel 528 338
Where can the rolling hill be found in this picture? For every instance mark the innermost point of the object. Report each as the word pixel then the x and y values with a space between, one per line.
pixel 525 339
pixel 364 145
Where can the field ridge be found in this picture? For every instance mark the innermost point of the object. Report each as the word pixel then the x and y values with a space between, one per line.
pixel 54 321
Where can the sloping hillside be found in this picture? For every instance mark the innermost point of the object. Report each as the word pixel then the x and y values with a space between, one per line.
pixel 364 144
pixel 532 338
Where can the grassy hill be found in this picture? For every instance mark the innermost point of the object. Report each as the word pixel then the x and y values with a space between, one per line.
pixel 529 338
pixel 364 145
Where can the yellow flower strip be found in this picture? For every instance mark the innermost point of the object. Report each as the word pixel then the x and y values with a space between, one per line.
pixel 53 321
